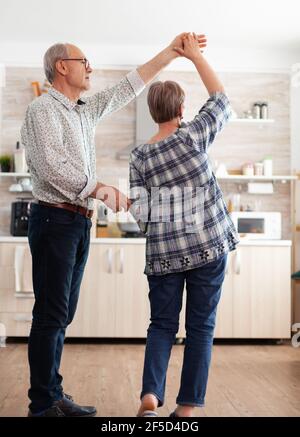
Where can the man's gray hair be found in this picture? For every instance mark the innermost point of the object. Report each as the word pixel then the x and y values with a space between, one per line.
pixel 52 55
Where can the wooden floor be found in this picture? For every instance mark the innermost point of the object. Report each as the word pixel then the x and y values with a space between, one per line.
pixel 245 380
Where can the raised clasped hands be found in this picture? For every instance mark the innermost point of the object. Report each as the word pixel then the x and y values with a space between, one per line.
pixel 188 44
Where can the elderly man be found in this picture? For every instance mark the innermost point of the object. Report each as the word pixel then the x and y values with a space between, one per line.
pixel 58 134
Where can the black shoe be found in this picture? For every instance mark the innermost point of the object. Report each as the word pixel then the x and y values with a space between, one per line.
pixel 65 395
pixel 70 409
pixel 53 411
pixel 173 415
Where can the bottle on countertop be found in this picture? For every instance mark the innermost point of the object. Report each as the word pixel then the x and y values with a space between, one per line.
pixel 19 159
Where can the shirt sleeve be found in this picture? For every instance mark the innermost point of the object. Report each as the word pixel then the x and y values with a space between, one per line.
pixel 43 141
pixel 210 120
pixel 138 191
pixel 112 99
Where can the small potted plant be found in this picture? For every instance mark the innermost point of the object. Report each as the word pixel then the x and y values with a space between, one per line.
pixel 5 163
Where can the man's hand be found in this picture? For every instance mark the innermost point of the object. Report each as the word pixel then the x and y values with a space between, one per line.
pixel 178 42
pixel 111 197
pixel 153 67
pixel 191 47
pixel 115 200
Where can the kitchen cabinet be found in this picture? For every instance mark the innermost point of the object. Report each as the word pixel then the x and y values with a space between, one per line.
pixel 113 303
pixel 95 315
pixel 15 308
pixel 256 296
pixel 132 308
pixel 114 294
pixel 224 319
pixel 113 300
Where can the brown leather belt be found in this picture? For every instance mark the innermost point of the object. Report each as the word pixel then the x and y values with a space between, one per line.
pixel 69 207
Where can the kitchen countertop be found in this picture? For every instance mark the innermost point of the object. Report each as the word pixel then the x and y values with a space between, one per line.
pixel 244 242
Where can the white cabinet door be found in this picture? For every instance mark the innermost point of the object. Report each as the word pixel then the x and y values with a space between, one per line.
pixel 224 320
pixel 96 312
pixel 14 276
pixel 114 294
pixel 261 292
pixel 132 305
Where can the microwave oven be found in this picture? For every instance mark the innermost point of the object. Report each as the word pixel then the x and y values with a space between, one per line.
pixel 258 225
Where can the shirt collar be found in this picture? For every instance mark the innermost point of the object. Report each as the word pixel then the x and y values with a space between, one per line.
pixel 69 104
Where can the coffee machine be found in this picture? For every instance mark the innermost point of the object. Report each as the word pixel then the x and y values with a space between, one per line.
pixel 20 211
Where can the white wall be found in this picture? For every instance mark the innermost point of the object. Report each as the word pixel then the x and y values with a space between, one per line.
pixel 295 116
pixel 295 165
pixel 242 35
pixel 107 56
pixel 2 84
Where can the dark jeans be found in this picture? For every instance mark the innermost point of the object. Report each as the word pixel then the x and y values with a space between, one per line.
pixel 203 290
pixel 59 243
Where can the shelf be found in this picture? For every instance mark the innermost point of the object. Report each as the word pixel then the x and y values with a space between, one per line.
pixel 257 178
pixel 252 120
pixel 21 192
pixel 15 175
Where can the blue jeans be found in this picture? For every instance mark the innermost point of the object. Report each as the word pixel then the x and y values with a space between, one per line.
pixel 203 290
pixel 59 243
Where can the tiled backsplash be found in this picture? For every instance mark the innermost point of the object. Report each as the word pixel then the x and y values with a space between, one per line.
pixel 237 144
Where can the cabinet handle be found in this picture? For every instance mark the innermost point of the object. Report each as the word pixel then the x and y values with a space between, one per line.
pixel 121 260
pixel 22 318
pixel 109 260
pixel 18 265
pixel 237 264
pixel 226 268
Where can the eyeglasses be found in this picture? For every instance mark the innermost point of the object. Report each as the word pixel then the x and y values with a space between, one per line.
pixel 83 61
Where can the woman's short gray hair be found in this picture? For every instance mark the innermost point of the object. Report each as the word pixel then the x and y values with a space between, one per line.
pixel 52 55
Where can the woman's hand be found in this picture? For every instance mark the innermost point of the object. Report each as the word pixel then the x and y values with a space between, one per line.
pixel 178 42
pixel 191 46
pixel 111 197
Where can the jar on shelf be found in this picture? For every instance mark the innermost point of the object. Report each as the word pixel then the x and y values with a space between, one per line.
pixel 248 169
pixel 256 110
pixel 258 168
pixel 264 113
pixel 268 166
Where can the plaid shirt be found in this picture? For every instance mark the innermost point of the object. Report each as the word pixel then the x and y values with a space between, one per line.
pixel 181 162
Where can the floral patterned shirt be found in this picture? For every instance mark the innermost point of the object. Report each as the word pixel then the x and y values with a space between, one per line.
pixel 58 136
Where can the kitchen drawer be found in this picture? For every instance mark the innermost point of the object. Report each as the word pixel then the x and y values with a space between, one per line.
pixel 12 302
pixel 16 324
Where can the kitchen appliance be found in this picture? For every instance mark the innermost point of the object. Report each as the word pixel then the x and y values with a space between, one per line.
pixel 102 222
pixel 102 219
pixel 20 211
pixel 130 230
pixel 258 225
pixel 133 235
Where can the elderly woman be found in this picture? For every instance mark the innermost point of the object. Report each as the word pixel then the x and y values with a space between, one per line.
pixel 189 252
